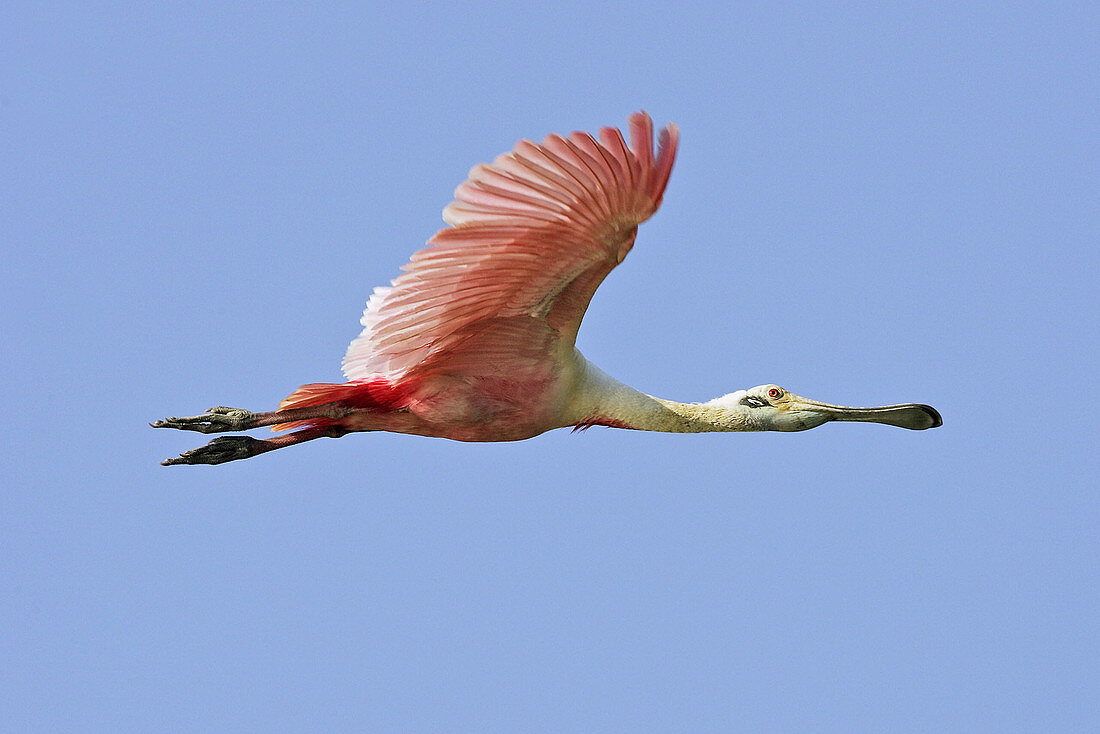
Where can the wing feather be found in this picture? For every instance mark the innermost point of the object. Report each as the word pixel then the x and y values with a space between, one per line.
pixel 533 233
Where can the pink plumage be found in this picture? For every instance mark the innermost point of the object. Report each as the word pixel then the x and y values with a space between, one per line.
pixel 475 341
pixel 484 318
pixel 532 234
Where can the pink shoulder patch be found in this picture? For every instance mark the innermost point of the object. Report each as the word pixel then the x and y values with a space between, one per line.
pixel 599 421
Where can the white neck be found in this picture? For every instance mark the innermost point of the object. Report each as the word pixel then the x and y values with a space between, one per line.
pixel 602 400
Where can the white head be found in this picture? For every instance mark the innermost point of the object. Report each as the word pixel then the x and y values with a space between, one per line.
pixel 771 408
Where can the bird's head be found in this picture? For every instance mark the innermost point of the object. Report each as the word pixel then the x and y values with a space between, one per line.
pixel 772 408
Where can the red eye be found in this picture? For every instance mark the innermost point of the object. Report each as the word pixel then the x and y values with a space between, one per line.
pixel 774 392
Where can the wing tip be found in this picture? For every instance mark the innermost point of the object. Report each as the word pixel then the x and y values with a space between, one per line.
pixel 641 144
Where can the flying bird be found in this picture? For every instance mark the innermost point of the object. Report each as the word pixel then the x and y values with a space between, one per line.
pixel 475 341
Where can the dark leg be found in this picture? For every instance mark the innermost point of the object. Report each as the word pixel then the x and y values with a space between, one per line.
pixel 231 448
pixel 222 419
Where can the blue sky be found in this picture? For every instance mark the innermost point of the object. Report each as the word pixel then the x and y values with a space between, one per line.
pixel 874 203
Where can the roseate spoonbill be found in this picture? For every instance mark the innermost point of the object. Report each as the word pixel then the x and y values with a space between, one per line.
pixel 475 341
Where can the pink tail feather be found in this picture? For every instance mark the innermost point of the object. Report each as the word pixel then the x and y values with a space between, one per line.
pixel 370 394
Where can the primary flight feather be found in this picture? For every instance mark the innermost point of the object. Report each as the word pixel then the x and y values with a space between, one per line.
pixel 475 340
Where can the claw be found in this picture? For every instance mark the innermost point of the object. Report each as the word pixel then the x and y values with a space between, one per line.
pixel 219 451
pixel 215 420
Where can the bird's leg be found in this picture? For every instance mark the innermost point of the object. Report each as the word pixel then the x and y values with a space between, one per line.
pixel 222 419
pixel 231 448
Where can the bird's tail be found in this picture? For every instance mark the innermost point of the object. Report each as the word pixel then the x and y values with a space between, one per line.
pixel 370 394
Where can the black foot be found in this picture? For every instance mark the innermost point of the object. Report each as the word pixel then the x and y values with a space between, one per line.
pixel 219 451
pixel 215 420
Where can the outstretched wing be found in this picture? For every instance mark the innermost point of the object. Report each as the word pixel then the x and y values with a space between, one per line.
pixel 533 233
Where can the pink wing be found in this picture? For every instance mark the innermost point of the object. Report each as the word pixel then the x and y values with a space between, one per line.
pixel 534 233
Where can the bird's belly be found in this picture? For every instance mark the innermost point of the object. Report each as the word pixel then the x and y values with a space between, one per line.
pixel 483 409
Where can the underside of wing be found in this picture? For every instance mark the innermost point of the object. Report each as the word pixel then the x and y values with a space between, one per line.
pixel 533 233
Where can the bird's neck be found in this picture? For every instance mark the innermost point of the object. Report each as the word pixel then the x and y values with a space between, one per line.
pixel 699 418
pixel 601 400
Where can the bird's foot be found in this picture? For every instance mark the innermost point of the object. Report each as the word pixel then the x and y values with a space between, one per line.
pixel 215 420
pixel 220 450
